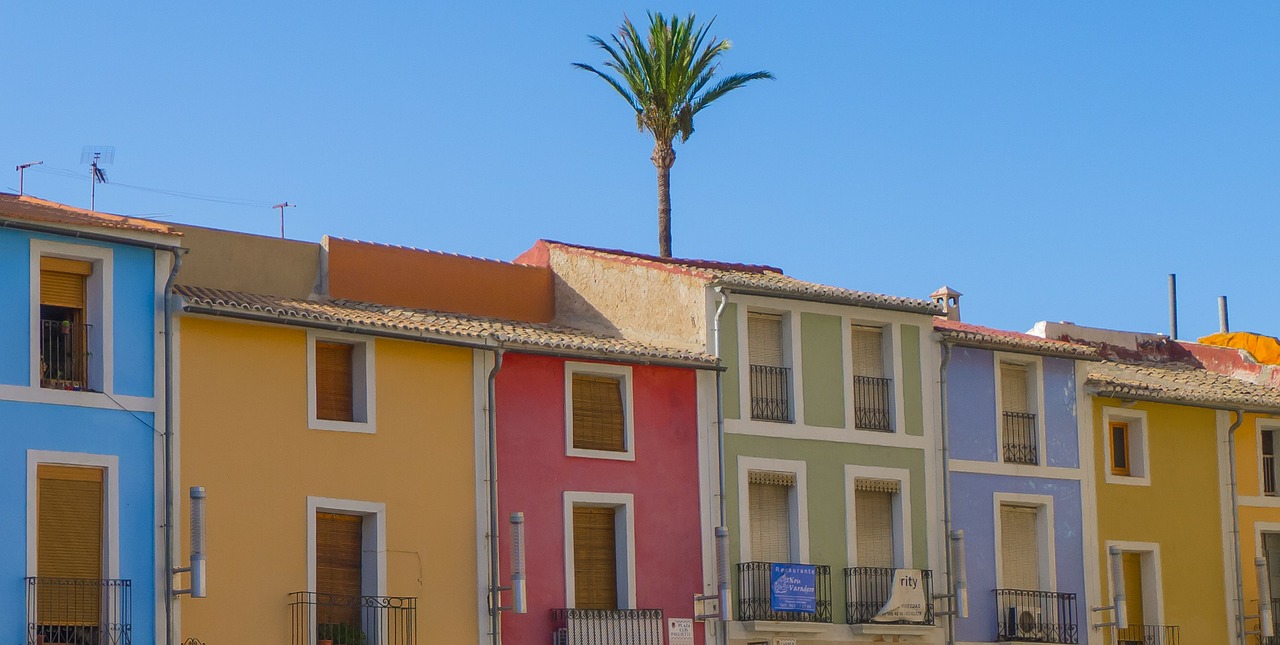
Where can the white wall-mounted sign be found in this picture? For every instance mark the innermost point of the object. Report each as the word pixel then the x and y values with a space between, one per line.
pixel 679 631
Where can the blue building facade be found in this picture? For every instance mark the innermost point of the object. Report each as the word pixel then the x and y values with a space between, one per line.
pixel 81 424
pixel 1017 486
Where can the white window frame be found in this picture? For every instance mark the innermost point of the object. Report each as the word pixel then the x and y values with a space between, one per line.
pixel 1046 544
pixel 890 341
pixel 1267 425
pixel 1152 577
pixel 99 310
pixel 624 374
pixel 624 531
pixel 110 496
pixel 363 400
pixel 797 502
pixel 373 565
pixel 1035 401
pixel 903 557
pixel 1139 447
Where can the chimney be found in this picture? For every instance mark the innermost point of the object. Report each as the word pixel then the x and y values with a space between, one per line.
pixel 949 299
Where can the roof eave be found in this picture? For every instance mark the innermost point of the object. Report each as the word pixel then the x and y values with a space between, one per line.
pixel 960 341
pixel 791 295
pixel 1115 392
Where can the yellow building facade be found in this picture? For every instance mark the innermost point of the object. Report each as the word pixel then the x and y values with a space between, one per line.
pixel 1255 443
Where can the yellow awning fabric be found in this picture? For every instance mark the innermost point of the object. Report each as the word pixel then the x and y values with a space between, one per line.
pixel 1264 349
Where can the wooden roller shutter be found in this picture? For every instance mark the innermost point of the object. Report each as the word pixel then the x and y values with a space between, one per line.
pixel 62 282
pixel 334 381
pixel 1132 565
pixel 69 542
pixel 595 558
pixel 868 351
pixel 598 421
pixel 1020 548
pixel 339 571
pixel 1013 387
pixel 769 503
pixel 873 512
pixel 764 339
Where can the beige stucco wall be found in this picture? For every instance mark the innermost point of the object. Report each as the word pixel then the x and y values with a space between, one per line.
pixel 252 263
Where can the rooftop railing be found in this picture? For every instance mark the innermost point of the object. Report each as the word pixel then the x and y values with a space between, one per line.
pixel 83 611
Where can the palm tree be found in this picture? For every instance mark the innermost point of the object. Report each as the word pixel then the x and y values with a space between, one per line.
pixel 664 78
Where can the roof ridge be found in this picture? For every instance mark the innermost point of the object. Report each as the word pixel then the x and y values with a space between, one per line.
pixel 687 262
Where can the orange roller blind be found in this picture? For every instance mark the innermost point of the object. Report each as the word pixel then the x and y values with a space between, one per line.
pixel 598 422
pixel 595 578
pixel 62 282
pixel 69 541
pixel 334 381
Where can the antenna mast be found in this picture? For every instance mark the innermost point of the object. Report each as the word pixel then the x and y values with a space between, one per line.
pixel 282 206
pixel 95 156
pixel 21 169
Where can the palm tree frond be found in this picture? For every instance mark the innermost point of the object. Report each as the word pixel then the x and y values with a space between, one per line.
pixel 726 85
pixel 631 99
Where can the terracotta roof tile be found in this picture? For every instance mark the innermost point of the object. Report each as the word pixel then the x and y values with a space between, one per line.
pixel 32 209
pixel 1180 383
pixel 961 333
pixel 469 329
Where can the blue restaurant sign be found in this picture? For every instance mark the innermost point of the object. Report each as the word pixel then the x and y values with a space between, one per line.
pixel 792 588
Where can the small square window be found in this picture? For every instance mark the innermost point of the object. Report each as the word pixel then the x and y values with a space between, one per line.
pixel 1120 448
pixel 70 306
pixel 1125 445
pixel 340 382
pixel 598 411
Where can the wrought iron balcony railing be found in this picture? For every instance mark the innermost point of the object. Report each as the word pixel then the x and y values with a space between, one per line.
pixel 873 403
pixel 1148 635
pixel 755 594
pixel 79 610
pixel 64 355
pixel 353 620
pixel 608 626
pixel 1021 440
pixel 1275 624
pixel 770 393
pixel 869 589
pixel 1036 616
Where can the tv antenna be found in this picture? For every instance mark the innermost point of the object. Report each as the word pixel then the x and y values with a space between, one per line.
pixel 21 169
pixel 95 156
pixel 282 206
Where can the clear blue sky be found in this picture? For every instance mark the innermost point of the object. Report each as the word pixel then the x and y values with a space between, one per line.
pixel 1052 160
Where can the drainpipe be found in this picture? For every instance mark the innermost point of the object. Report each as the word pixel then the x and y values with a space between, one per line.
pixel 946 491
pixel 722 531
pixel 1235 524
pixel 170 624
pixel 495 616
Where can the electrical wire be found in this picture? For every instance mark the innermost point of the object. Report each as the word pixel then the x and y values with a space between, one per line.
pixel 232 201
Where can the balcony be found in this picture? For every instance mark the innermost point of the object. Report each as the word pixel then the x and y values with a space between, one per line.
pixel 873 403
pixel 771 393
pixel 64 355
pixel 608 626
pixel 1275 624
pixel 1021 440
pixel 1036 616
pixel 79 611
pixel 1269 475
pixel 1148 635
pixel 352 620
pixel 755 595
pixel 868 591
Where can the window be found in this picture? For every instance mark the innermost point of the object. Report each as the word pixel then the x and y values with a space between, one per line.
pixel 1020 547
pixel 874 512
pixel 1267 440
pixel 1120 448
pixel 69 549
pixel 1140 568
pixel 64 323
pixel 872 390
pixel 339 569
pixel 770 379
pixel 340 380
pixel 1019 431
pixel 595 557
pixel 769 497
pixel 598 411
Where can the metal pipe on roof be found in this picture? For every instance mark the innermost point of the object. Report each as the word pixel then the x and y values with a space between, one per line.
pixel 1223 325
pixel 1173 306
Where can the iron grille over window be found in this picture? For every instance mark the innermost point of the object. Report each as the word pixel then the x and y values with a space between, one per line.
pixel 64 355
pixel 1021 444
pixel 770 393
pixel 608 626
pixel 754 595
pixel 1036 616
pixel 79 610
pixel 867 590
pixel 872 403
pixel 386 620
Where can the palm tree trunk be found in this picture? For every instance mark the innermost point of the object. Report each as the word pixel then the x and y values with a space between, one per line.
pixel 664 156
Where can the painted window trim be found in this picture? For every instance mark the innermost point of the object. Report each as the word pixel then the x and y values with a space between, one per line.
pixel 902 535
pixel 377 542
pixel 1045 529
pixel 1148 550
pixel 365 401
pixel 1035 372
pixel 100 293
pixel 1139 446
pixel 1266 425
pixel 622 372
pixel 624 505
pixel 790 358
pixel 111 498
pixel 894 370
pixel 798 502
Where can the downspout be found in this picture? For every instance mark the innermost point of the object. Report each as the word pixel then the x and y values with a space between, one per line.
pixel 170 637
pixel 1235 524
pixel 495 580
pixel 946 490
pixel 722 565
